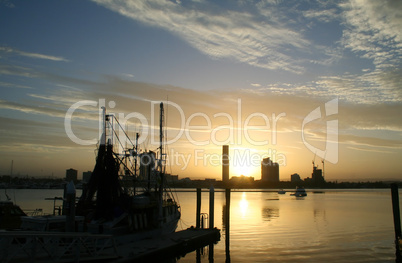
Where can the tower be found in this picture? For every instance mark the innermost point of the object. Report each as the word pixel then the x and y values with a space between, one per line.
pixel 71 175
pixel 225 163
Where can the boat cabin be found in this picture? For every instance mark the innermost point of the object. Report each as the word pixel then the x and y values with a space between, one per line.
pixel 50 223
pixel 10 215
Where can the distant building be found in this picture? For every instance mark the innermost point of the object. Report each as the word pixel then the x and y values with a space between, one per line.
pixel 241 179
pixel 170 177
pixel 295 178
pixel 316 176
pixel 71 175
pixel 269 171
pixel 225 163
pixel 86 176
pixel 211 180
pixel 186 180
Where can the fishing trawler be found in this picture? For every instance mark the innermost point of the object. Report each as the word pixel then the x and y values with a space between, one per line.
pixel 119 199
pixel 122 200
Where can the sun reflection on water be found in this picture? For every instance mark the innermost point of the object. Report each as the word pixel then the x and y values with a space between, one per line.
pixel 243 205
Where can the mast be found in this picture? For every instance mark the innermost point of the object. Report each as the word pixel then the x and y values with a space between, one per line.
pixel 12 166
pixel 161 123
pixel 103 137
pixel 161 160
pixel 135 161
pixel 137 135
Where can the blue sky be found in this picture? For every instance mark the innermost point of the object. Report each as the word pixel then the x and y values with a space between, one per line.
pixel 276 56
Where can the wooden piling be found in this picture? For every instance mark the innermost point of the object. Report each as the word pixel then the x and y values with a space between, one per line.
pixel 227 225
pixel 211 253
pixel 397 218
pixel 211 206
pixel 198 211
pixel 70 211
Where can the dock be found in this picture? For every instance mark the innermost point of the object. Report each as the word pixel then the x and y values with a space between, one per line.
pixel 31 246
pixel 38 247
pixel 168 246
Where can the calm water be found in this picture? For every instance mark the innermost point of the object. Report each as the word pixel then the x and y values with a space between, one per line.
pixel 335 226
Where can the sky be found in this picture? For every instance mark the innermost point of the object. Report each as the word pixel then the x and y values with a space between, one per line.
pixel 295 81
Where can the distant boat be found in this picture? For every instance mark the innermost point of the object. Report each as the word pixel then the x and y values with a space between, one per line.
pixel 300 192
pixel 281 192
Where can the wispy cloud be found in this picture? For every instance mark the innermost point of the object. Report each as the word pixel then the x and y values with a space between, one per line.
pixel 369 150
pixel 7 3
pixel 263 36
pixel 9 50
pixel 371 88
pixel 370 141
pixel 13 85
pixel 326 15
pixel 374 30
pixel 18 71
pixel 30 109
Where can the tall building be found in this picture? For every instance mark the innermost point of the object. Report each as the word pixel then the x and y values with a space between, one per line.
pixel 225 163
pixel 316 176
pixel 86 176
pixel 71 175
pixel 269 170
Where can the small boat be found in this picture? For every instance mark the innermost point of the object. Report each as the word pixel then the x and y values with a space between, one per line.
pixel 300 192
pixel 10 215
pixel 281 192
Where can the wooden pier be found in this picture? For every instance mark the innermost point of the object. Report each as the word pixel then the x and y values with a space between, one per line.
pixel 83 247
pixel 172 245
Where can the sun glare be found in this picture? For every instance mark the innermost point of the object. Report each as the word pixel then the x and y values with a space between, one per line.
pixel 246 170
pixel 243 205
pixel 241 162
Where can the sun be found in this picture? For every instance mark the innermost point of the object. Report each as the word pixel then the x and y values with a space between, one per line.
pixel 246 170
pixel 242 162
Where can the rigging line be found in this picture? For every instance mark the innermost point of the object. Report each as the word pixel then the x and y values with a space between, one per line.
pixel 121 161
pixel 166 122
pixel 117 137
pixel 123 131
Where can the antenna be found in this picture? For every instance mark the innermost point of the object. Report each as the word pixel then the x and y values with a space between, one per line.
pixel 314 159
pixel 323 167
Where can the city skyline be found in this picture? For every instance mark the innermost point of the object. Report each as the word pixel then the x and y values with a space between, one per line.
pixel 268 78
